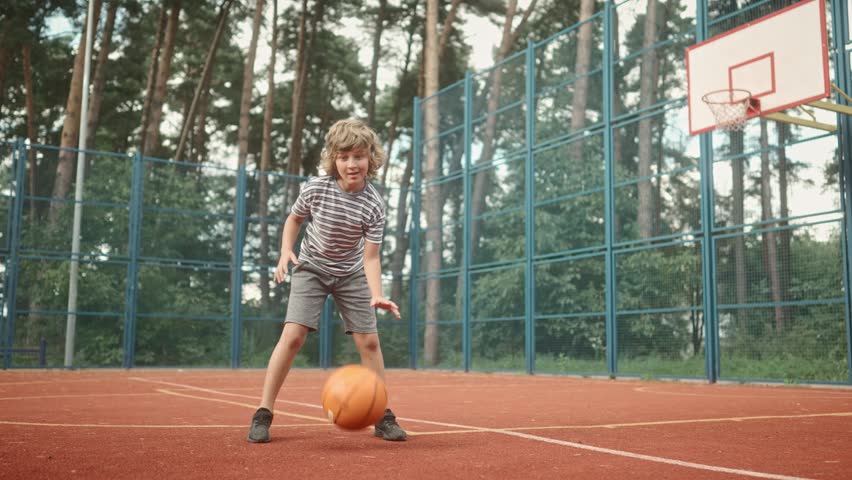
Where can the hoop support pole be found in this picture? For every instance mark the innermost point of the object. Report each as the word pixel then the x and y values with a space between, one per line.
pixel 783 117
pixel 841 92
pixel 834 107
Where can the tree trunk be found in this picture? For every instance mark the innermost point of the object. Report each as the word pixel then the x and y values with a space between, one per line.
pixel 265 162
pixel 96 98
pixel 402 237
pixel 248 84
pixel 696 317
pixel 70 127
pixel 397 102
pixel 26 56
pixel 152 79
pixel 581 68
pixel 4 61
pixel 34 320
pixel 434 202
pixel 189 119
pixel 620 133
pixel 784 248
pixel 152 135
pixel 738 217
pixel 769 247
pixel 199 138
pixel 648 84
pixel 657 185
pixel 446 29
pixel 432 198
pixel 374 66
pixel 482 179
pixel 300 90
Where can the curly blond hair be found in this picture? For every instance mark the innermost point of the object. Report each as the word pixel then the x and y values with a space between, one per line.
pixel 349 134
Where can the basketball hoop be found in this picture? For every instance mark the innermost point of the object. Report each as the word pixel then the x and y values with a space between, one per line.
pixel 730 106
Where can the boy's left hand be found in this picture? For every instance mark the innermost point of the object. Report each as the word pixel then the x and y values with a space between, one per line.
pixel 385 304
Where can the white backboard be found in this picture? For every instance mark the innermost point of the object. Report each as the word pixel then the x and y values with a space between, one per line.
pixel 782 59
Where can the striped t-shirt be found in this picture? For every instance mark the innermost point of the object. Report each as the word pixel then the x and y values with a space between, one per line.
pixel 339 224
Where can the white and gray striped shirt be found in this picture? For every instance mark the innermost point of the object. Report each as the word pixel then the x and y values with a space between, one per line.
pixel 339 224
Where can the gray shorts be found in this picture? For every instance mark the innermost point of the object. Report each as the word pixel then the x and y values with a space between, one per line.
pixel 309 287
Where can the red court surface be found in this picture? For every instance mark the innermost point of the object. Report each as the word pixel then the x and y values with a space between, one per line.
pixel 188 424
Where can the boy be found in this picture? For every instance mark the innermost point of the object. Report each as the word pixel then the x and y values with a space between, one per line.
pixel 339 256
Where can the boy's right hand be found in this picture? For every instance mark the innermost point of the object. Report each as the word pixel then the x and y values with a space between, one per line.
pixel 281 270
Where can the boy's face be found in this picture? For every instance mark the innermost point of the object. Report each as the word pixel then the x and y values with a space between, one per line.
pixel 352 166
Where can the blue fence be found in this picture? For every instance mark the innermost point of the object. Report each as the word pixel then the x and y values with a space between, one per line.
pixel 568 222
pixel 160 283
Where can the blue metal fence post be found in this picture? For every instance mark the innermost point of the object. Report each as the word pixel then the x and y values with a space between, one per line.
pixel 708 244
pixel 137 181
pixel 237 268
pixel 843 76
pixel 414 233
pixel 468 218
pixel 609 199
pixel 19 160
pixel 529 194
pixel 8 231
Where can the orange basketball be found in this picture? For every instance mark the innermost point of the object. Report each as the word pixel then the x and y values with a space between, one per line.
pixel 354 397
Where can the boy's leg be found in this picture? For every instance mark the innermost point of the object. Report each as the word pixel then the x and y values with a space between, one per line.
pixel 371 357
pixel 308 290
pixel 352 297
pixel 291 341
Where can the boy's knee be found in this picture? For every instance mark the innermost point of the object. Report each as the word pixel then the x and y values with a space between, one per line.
pixel 292 339
pixel 369 342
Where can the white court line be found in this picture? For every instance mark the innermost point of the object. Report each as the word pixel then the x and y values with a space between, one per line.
pixel 581 446
pixel 78 395
pixel 807 394
pixel 100 425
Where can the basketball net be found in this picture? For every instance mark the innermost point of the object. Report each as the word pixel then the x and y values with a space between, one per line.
pixel 729 106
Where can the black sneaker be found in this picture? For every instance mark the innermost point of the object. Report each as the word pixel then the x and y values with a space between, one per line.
pixel 388 429
pixel 260 422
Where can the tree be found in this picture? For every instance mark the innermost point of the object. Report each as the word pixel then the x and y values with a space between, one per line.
pixel 650 71
pixel 402 241
pixel 770 257
pixel 163 71
pixel 738 215
pixel 96 98
pixel 266 161
pixel 152 78
pixel 26 56
pixel 784 247
pixel 204 84
pixel 248 84
pixel 305 47
pixel 71 126
pixel 581 68
pixel 508 39
pixel 431 203
pixel 374 65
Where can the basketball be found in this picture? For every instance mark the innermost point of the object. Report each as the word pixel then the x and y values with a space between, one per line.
pixel 354 397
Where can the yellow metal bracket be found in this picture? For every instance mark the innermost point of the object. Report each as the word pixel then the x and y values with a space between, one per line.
pixel 821 104
pixel 783 117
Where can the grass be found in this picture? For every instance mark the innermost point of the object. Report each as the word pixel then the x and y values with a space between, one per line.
pixel 787 370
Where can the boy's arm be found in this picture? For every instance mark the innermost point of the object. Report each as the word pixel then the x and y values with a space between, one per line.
pixel 291 231
pixel 373 271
